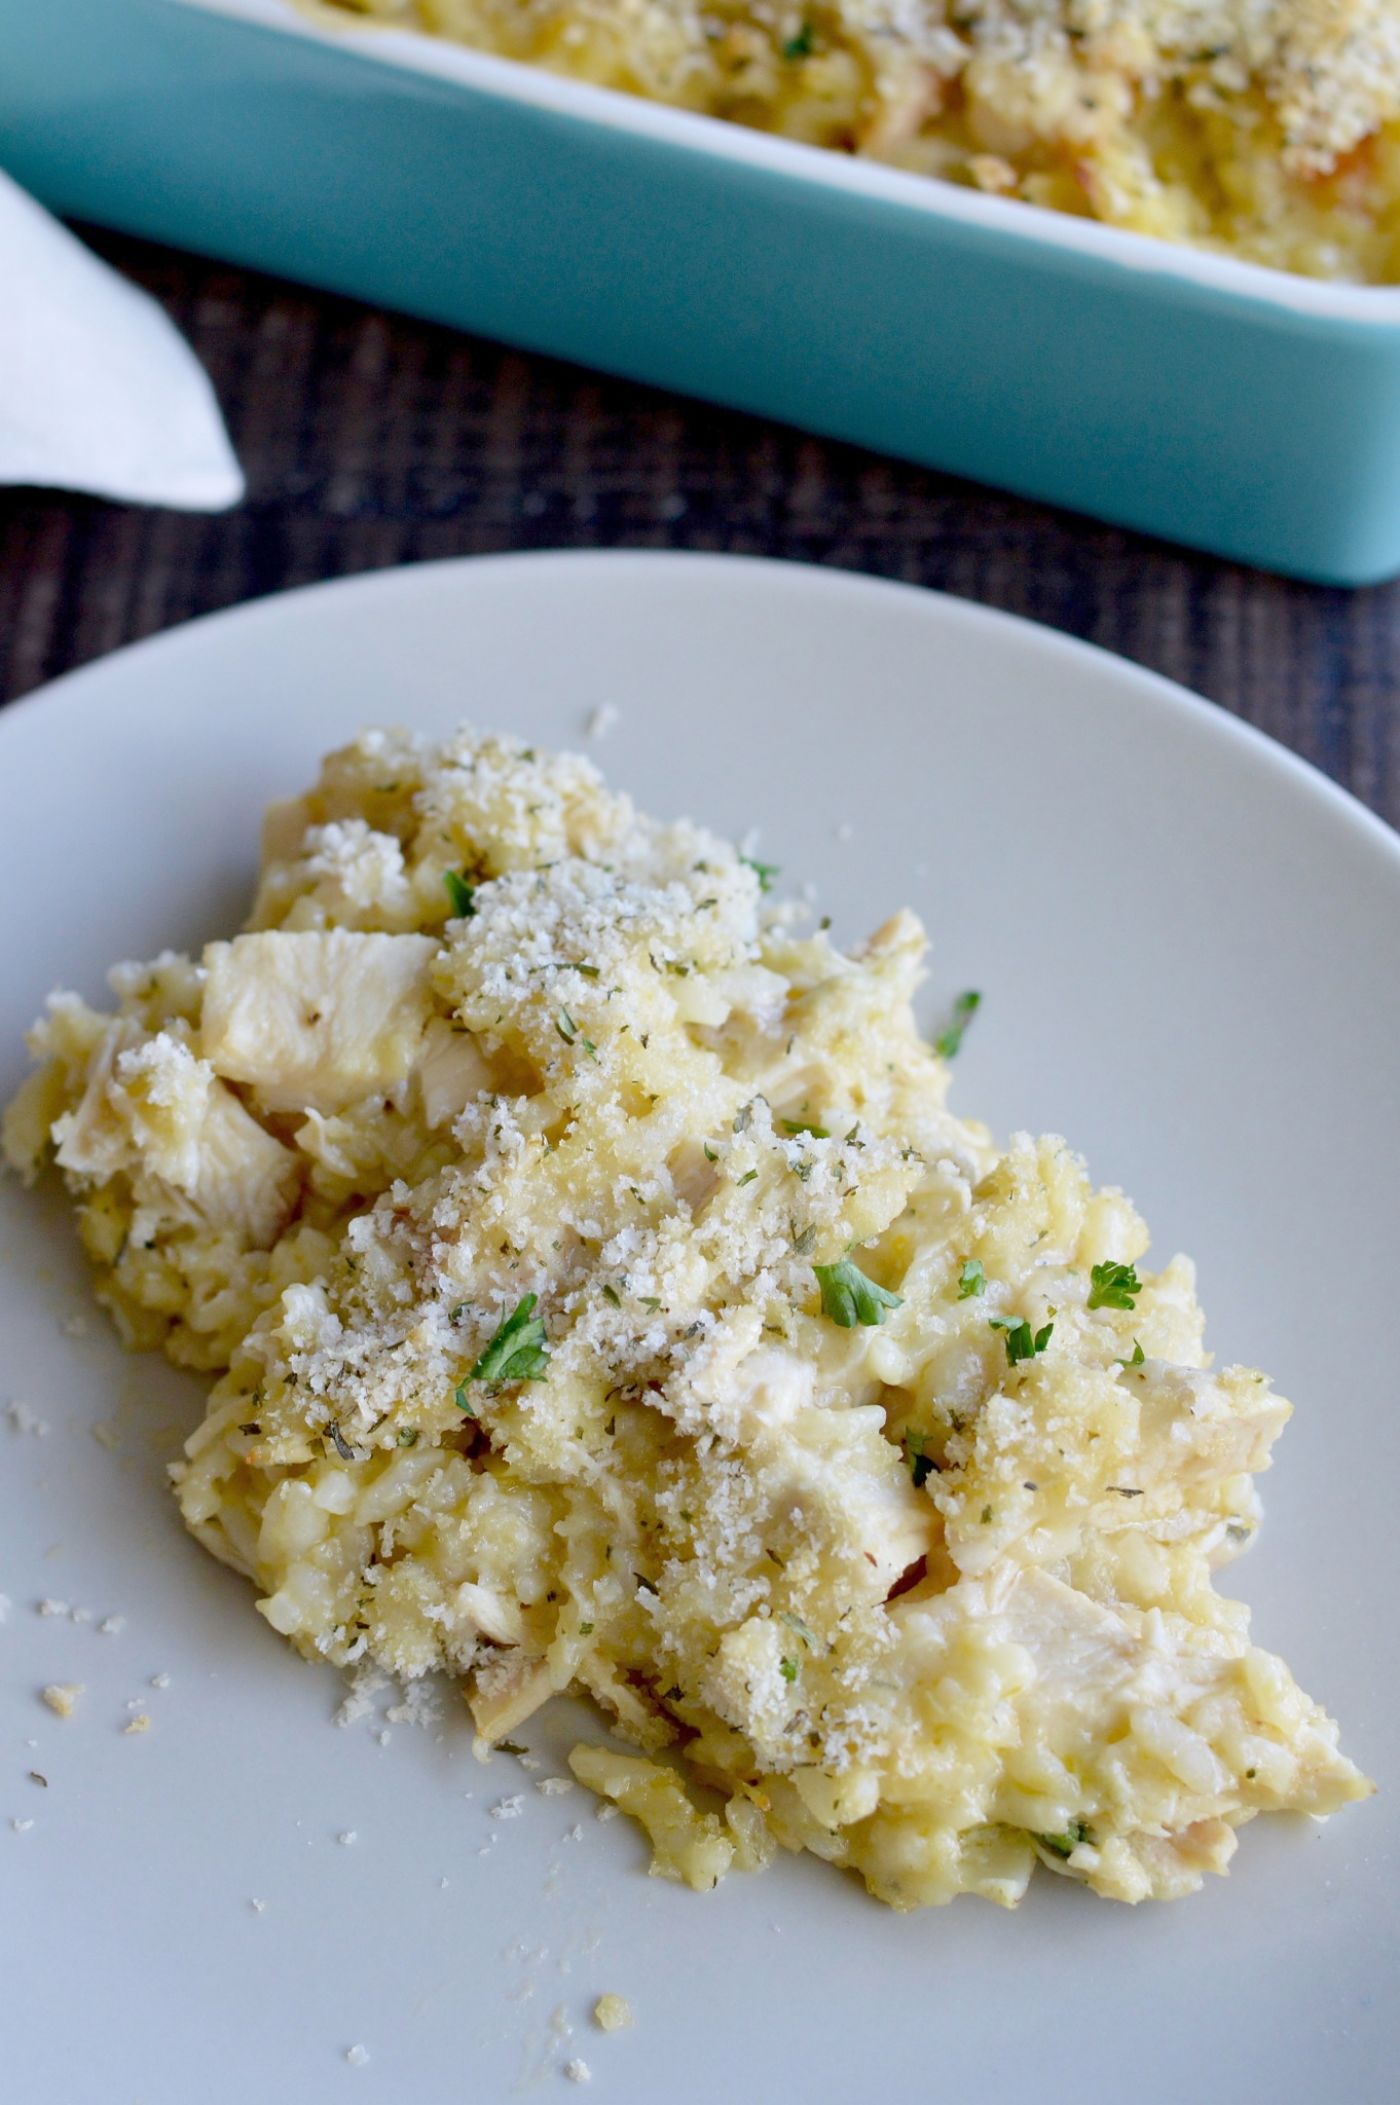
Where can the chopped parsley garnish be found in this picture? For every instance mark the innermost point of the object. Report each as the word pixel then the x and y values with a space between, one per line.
pixel 1065 1844
pixel 848 1297
pixel 408 1436
pixel 788 1669
pixel 588 971
pixel 802 45
pixel 747 1177
pixel 516 1353
pixel 1021 1342
pixel 921 1465
pixel 805 1125
pixel 971 1279
pixel 711 1154
pixel 765 872
pixel 511 1747
pixel 1137 1357
pixel 949 1040
pixel 566 1027
pixel 610 1293
pixel 585 1629
pixel 340 1443
pixel 785 1615
pixel 1114 1286
pixel 462 895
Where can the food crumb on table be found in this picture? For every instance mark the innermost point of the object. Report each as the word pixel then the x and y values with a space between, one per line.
pixel 578 2071
pixel 612 2013
pixel 357 2056
pixel 140 1723
pixel 62 1697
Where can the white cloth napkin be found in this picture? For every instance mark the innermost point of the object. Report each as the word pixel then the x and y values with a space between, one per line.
pixel 98 391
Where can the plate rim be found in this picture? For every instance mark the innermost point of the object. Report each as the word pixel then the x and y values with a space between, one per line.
pixel 1156 690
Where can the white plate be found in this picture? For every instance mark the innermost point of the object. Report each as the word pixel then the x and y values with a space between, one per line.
pixel 1188 947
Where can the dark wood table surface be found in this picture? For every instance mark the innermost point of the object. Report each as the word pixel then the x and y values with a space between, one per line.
pixel 369 439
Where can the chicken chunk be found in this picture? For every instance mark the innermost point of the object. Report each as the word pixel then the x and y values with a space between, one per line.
pixel 316 1020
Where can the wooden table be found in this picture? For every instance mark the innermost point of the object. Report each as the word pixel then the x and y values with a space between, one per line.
pixel 369 439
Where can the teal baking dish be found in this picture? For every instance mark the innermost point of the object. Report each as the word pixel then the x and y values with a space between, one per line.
pixel 1250 413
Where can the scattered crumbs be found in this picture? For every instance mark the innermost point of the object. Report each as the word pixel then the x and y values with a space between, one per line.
pixel 360 1701
pixel 605 1810
pixel 160 1681
pixel 35 1777
pixel 259 1907
pixel 25 1419
pixel 530 1761
pixel 111 1626
pixel 554 1786
pixel 575 1833
pixel 76 1326
pixel 612 2013
pixel 601 720
pixel 384 1738
pixel 61 1697
pixel 578 2071
pixel 357 2056
pixel 80 1615
pixel 845 831
pixel 21 1827
pixel 140 1723
pixel 442 1885
pixel 347 1838
pixel 134 1703
pixel 420 1703
pixel 107 1433
pixel 508 1808
pixel 48 1607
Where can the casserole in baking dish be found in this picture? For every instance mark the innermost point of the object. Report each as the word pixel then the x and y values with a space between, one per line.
pixel 1271 133
pixel 1250 411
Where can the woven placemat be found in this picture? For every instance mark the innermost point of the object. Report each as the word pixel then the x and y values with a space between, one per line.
pixel 369 439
